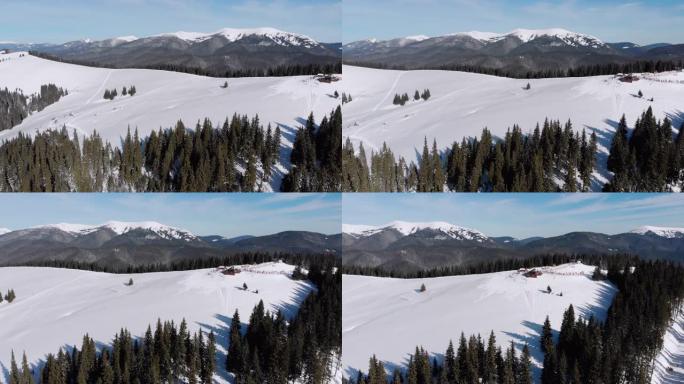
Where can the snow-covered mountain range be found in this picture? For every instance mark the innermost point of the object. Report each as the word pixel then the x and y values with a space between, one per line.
pixel 408 246
pixel 516 51
pixel 666 232
pixel 121 227
pixel 440 230
pixel 228 49
pixel 120 244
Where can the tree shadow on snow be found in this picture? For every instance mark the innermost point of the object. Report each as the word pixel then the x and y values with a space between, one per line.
pixel 532 338
pixel 602 300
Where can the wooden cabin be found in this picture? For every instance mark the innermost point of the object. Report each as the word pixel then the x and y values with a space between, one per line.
pixel 628 78
pixel 533 273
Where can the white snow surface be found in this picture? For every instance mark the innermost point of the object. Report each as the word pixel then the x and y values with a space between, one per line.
pixel 390 317
pixel 54 307
pixel 409 228
pixel 121 227
pixel 463 104
pixel 161 100
pixel 671 355
pixel 4 230
pixel 668 232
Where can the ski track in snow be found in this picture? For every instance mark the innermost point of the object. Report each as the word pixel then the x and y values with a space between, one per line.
pixel 463 104
pixel 55 307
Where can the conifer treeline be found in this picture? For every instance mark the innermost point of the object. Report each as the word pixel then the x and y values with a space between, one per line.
pixel 472 362
pixel 307 349
pixel 624 347
pixel 639 66
pixel 279 70
pixel 620 350
pixel 517 163
pixel 650 159
pixel 9 296
pixel 240 155
pixel 303 259
pixel 15 106
pixel 169 355
pixel 509 264
pixel 270 350
pixel 316 156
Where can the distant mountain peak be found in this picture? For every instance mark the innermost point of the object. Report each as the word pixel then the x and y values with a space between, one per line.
pixel 409 228
pixel 667 232
pixel 235 34
pixel 5 230
pixel 121 227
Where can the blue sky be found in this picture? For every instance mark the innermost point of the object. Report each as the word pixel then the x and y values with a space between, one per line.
pixel 642 22
pixel 203 214
pixel 58 21
pixel 520 215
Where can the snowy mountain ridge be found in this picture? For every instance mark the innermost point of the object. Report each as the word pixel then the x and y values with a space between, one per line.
pixel 4 230
pixel 667 232
pixel 121 227
pixel 409 228
pixel 234 34
pixel 571 38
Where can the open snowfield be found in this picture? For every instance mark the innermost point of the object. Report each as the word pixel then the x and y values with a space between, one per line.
pixel 54 308
pixel 161 100
pixel 462 104
pixel 390 317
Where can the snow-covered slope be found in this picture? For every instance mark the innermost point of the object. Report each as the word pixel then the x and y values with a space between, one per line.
pixel 669 233
pixel 408 228
pixel 389 317
pixel 162 99
pixel 669 364
pixel 462 104
pixel 4 230
pixel 121 227
pixel 54 308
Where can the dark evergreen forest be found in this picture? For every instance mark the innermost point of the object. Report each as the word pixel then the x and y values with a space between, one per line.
pixel 281 70
pixel 553 158
pixel 16 106
pixel 639 66
pixel 239 155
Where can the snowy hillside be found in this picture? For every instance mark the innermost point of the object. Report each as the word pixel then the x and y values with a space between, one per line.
pixel 54 308
pixel 408 228
pixel 161 100
pixel 390 317
pixel 462 104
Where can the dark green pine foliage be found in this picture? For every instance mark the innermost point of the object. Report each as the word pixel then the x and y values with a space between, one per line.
pixel 623 348
pixel 204 159
pixel 316 156
pixel 15 106
pixel 648 160
pixel 637 66
pixel 515 163
pixel 331 67
pixel 471 363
